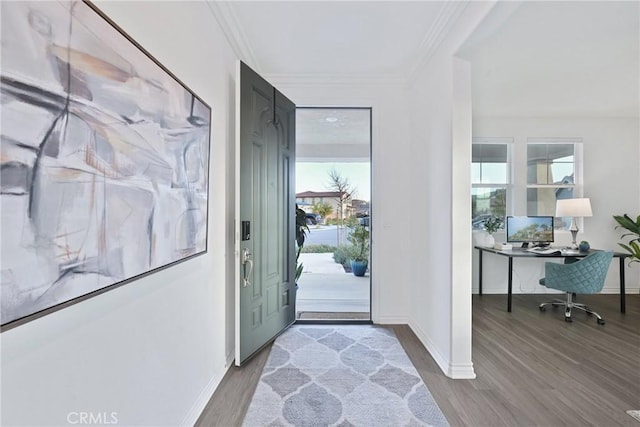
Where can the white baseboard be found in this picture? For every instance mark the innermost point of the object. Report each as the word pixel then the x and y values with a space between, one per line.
pixel 462 372
pixel 456 372
pixel 203 398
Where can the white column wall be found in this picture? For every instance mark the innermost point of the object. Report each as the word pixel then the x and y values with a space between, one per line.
pixel 431 224
pixel 611 180
pixel 150 352
pixel 439 292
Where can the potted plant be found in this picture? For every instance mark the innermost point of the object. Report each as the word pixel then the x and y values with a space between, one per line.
pixel 301 233
pixel 491 225
pixel 633 246
pixel 359 238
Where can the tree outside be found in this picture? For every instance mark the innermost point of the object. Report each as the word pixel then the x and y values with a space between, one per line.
pixel 345 190
pixel 322 209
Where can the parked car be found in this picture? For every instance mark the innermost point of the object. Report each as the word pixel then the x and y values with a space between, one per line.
pixel 477 222
pixel 313 219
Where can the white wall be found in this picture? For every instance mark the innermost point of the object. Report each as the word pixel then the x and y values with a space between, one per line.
pixel 611 180
pixel 391 196
pixel 439 256
pixel 154 350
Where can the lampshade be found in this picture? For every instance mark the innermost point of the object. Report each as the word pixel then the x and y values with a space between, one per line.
pixel 573 207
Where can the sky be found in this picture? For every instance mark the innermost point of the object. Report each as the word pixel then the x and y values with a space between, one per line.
pixel 315 177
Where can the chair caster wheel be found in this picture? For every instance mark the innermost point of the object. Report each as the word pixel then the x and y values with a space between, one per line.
pixel 542 308
pixel 600 322
pixel 568 319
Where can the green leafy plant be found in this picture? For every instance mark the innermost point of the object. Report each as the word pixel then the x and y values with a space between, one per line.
pixel 633 246
pixel 301 234
pixel 359 238
pixel 493 224
pixel 342 255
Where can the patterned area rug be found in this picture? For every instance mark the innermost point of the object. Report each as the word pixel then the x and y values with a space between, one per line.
pixel 347 375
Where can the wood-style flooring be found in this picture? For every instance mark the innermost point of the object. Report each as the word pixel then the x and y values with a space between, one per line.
pixel 532 368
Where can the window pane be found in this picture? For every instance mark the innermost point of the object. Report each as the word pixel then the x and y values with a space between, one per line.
pixel 537 165
pixel 486 202
pixel 494 173
pixel 549 163
pixel 561 173
pixel 489 153
pixel 542 201
pixel 560 152
pixel 475 173
pixel 489 163
pixel 562 223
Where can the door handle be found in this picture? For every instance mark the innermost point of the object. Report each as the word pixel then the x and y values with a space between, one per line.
pixel 247 267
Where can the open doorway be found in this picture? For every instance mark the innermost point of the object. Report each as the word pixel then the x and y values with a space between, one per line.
pixel 333 187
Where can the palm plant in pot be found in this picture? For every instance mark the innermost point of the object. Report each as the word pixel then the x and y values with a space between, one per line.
pixel 359 239
pixel 633 246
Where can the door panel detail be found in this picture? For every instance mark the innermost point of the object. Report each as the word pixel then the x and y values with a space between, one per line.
pixel 256 316
pixel 272 300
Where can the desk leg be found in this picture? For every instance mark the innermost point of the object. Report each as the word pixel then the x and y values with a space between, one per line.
pixel 510 284
pixel 622 280
pixel 480 271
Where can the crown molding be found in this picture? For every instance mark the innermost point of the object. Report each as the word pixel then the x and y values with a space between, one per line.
pixel 447 16
pixel 334 80
pixel 226 18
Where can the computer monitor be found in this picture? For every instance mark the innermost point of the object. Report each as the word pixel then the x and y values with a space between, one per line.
pixel 530 229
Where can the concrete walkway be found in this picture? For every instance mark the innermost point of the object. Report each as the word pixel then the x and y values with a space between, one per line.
pixel 325 287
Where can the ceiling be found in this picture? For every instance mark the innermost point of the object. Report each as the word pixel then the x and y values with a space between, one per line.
pixel 358 39
pixel 350 41
pixel 556 59
pixel 535 58
pixel 329 134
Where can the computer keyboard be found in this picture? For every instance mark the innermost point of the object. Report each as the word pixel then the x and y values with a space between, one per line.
pixel 548 250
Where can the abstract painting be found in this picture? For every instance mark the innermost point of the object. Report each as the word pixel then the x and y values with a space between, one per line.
pixel 104 160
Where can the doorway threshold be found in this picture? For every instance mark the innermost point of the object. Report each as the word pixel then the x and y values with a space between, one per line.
pixel 332 315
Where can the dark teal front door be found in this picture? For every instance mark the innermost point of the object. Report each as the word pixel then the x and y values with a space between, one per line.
pixel 265 213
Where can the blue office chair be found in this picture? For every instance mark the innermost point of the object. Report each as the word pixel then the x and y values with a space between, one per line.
pixel 585 276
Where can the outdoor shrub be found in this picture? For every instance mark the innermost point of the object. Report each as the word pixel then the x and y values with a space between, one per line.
pixel 350 222
pixel 318 249
pixel 343 254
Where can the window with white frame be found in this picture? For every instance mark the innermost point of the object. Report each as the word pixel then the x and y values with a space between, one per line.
pixel 553 173
pixel 490 177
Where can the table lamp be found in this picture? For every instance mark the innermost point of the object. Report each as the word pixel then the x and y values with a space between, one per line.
pixel 573 208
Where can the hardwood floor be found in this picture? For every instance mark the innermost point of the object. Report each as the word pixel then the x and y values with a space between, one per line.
pixel 532 368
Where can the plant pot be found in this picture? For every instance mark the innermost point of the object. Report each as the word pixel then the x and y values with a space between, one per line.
pixel 359 267
pixel 584 246
pixel 489 241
